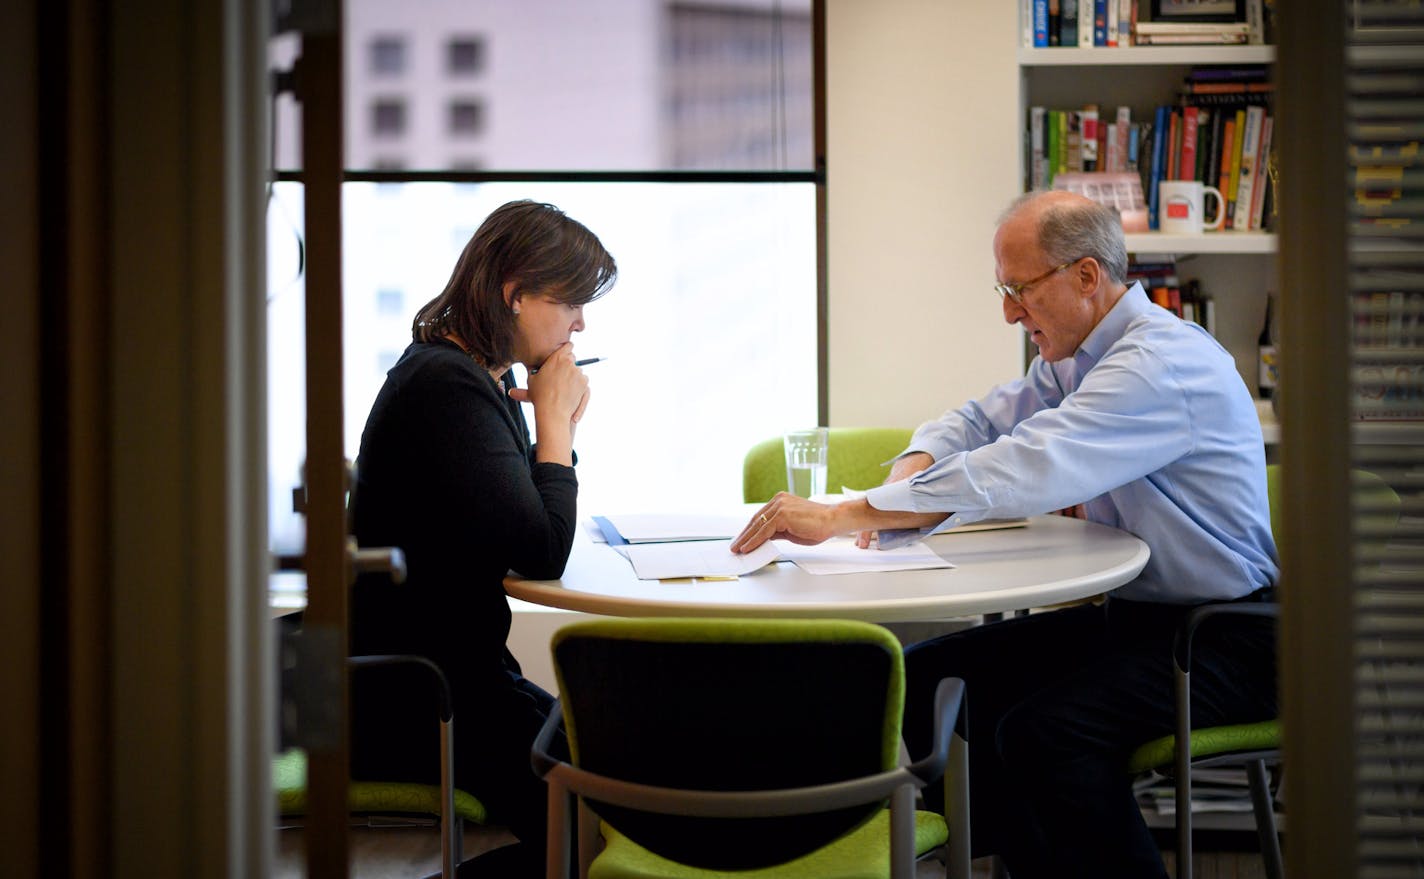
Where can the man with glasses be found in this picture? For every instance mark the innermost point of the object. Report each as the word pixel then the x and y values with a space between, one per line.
pixel 1130 417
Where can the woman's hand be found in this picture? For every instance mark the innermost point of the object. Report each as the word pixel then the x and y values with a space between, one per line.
pixel 559 392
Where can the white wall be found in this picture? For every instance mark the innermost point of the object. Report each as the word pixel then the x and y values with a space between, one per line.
pixel 922 110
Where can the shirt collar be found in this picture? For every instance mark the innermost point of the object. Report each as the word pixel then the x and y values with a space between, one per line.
pixel 1111 328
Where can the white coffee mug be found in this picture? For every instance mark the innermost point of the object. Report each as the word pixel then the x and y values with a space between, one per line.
pixel 1179 207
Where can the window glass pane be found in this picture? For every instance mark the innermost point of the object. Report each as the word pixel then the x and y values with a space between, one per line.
pixel 577 85
pixel 387 56
pixel 710 332
pixel 465 56
pixel 467 118
pixel 387 118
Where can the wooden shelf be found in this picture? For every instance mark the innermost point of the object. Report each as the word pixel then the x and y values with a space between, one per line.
pixel 1145 56
pixel 1207 242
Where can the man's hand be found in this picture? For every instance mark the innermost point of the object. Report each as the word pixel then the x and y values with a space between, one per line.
pixel 788 517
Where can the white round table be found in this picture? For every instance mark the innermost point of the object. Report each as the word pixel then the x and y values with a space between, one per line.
pixel 1051 560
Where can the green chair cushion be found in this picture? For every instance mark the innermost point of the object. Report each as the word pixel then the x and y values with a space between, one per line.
pixel 289 777
pixel 861 854
pixel 855 458
pixel 1261 736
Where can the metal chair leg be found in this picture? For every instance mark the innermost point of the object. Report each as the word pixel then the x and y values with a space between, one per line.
pixel 1265 818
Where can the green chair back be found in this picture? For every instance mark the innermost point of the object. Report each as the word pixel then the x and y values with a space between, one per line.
pixel 856 457
pixel 1375 501
pixel 731 705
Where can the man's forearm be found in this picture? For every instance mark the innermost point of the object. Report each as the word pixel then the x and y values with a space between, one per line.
pixel 859 515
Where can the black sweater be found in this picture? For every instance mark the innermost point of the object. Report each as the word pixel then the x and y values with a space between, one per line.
pixel 446 472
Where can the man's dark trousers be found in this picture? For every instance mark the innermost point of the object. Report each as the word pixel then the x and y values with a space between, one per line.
pixel 1056 702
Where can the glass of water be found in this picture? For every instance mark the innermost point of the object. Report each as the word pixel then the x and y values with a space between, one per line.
pixel 806 461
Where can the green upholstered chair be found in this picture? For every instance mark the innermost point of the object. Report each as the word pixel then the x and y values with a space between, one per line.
pixel 289 779
pixel 757 749
pixel 855 458
pixel 443 802
pixel 1250 744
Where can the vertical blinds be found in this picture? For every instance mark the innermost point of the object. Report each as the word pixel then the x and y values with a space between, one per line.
pixel 1384 115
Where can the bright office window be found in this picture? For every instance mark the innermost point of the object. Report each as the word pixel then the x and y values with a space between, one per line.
pixel 711 331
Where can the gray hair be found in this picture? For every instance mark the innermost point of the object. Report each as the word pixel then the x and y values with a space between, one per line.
pixel 1073 230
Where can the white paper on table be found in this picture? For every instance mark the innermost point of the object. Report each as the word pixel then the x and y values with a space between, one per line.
pixel 666 527
pixel 981 525
pixel 840 555
pixel 700 558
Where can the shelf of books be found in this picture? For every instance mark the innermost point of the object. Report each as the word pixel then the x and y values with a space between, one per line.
pixel 1221 800
pixel 1114 122
pixel 1216 130
pixel 1124 25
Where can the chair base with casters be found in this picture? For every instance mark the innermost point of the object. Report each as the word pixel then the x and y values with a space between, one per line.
pixel 724 823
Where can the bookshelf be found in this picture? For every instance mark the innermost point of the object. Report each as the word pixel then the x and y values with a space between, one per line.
pixel 1236 268
pixel 1151 56
pixel 1212 242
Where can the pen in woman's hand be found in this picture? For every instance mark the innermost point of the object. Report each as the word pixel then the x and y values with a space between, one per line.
pixel 585 362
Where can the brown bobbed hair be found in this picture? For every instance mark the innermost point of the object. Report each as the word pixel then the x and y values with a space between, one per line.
pixel 541 250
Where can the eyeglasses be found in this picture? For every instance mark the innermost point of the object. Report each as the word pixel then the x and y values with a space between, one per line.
pixel 1015 292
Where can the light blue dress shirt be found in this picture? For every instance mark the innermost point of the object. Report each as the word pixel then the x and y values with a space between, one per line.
pixel 1148 425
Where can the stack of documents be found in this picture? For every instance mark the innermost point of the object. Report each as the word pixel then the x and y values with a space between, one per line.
pixel 668 546
pixel 670 527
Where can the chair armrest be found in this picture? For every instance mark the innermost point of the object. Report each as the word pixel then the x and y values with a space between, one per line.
pixel 949 702
pixel 447 702
pixel 714 804
pixel 1182 643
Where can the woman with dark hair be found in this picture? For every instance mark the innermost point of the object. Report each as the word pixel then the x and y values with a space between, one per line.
pixel 447 473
